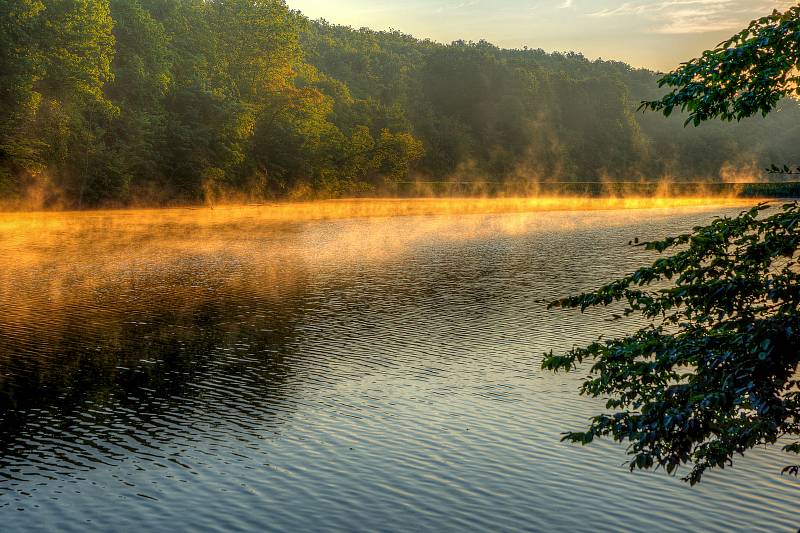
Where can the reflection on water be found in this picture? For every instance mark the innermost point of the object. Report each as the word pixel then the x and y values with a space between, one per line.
pixel 185 370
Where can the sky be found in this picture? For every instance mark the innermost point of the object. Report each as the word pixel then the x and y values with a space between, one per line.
pixel 656 34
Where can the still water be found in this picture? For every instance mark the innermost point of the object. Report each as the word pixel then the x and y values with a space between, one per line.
pixel 218 370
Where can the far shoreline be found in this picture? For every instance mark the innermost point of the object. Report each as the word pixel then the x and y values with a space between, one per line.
pixel 344 208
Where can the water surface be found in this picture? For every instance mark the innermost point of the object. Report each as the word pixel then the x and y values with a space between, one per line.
pixel 185 370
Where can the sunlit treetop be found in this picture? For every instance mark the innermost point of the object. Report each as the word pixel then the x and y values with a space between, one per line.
pixel 745 75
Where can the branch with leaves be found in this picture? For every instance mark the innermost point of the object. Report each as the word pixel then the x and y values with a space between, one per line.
pixel 747 74
pixel 716 371
pixel 715 374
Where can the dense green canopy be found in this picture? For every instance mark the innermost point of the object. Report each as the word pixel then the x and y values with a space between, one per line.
pixel 119 101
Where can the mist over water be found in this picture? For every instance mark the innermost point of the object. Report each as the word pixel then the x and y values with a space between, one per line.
pixel 328 368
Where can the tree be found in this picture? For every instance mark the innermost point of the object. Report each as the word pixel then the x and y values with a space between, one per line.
pixel 55 60
pixel 20 67
pixel 142 78
pixel 716 373
pixel 107 102
pixel 747 74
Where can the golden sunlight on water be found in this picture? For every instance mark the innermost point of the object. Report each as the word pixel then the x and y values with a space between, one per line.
pixel 87 245
pixel 69 255
pixel 381 207
pixel 184 225
pixel 324 364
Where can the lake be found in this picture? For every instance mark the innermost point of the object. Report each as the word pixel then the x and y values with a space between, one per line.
pixel 236 370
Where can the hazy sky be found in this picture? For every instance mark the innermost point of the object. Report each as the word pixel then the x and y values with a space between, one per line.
pixel 657 34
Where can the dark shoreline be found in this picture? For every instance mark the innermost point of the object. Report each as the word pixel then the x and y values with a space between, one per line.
pixel 595 189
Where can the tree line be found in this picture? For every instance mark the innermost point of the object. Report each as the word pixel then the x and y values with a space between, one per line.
pixel 110 102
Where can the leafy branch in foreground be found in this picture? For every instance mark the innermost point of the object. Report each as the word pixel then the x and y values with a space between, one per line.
pixel 715 374
pixel 747 74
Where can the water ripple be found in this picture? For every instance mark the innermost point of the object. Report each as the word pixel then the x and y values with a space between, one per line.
pixel 360 375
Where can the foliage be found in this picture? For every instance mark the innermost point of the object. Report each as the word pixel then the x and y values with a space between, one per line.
pixel 487 113
pixel 107 102
pixel 747 74
pixel 112 101
pixel 715 375
pixel 716 372
pixel 20 67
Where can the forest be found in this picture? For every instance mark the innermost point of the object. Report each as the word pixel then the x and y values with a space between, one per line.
pixel 155 102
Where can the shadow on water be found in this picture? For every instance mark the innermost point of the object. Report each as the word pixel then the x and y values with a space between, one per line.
pixel 89 385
